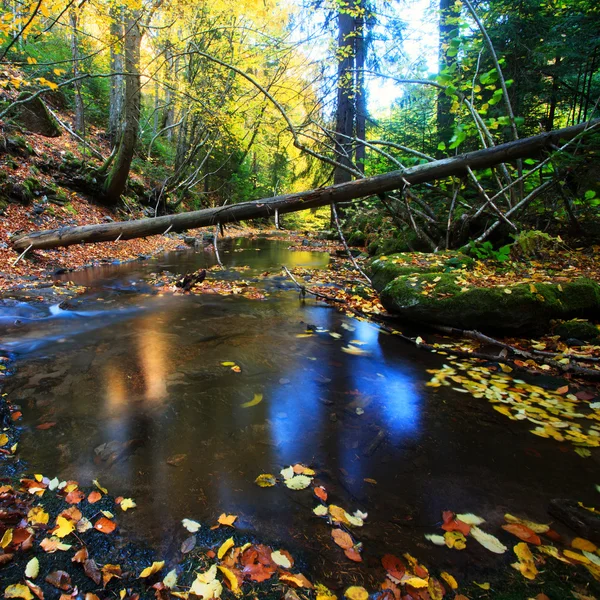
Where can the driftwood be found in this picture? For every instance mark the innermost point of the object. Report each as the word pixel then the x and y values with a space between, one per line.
pixel 480 159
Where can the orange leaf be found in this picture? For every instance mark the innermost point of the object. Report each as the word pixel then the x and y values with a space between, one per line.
pixel 453 524
pixel 227 519
pixel 353 554
pixel 321 493
pixel 393 565
pixel 74 497
pixel 342 539
pixel 523 533
pixel 296 579
pixel 94 497
pixel 105 525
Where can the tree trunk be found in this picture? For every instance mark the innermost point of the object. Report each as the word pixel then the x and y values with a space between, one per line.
pixel 116 180
pixel 368 186
pixel 361 101
pixel 344 116
pixel 116 81
pixel 79 125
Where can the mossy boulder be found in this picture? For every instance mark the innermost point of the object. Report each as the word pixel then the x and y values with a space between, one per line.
pixel 385 269
pixel 577 329
pixel 35 117
pixel 444 299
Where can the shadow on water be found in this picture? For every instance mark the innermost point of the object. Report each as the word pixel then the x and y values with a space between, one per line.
pixel 140 400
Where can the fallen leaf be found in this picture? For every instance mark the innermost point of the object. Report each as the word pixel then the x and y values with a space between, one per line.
pixel 80 556
pixel 353 554
pixel 296 579
pixel 523 533
pixel 281 559
pixel 470 519
pixel 155 567
pixel 225 547
pixel 298 482
pixel 63 527
pixel 53 544
pixel 526 565
pixel 487 540
pixel 449 579
pixel 455 539
pixel 342 539
pixel 60 580
pixel 94 497
pixel 256 400
pixel 38 516
pixel 109 572
pixel 44 426
pixel 102 489
pixel 74 497
pixel 265 480
pixel 176 460
pixel 356 592
pixel 581 544
pixel 483 586
pixel 438 540
pixel 320 510
pixel 32 569
pixel 18 590
pixel 191 526
pixel 105 525
pixel 91 570
pixel 453 524
pixel 536 527
pixel 228 520
pixel 170 579
pixel 394 566
pixel 188 544
pixel 321 493
pixel 127 503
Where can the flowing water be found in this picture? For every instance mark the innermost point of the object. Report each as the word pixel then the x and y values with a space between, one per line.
pixel 134 383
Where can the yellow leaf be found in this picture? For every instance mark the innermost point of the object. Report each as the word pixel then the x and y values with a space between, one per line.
pixel 581 544
pixel 535 527
pixel 6 538
pixel 3 439
pixel 59 72
pixel 507 291
pixel 65 527
pixel 18 591
pixel 154 568
pixel 265 480
pixel 228 363
pixel 324 593
pixel 225 547
pixel 415 582
pixel 227 519
pixel 256 400
pixel 32 569
pixel 232 579
pixel 356 592
pixel 449 580
pixel 102 489
pixel 526 565
pixel 127 503
pixel 483 586
pixel 38 516
pixel 577 557
pixel 455 539
pixel 31 60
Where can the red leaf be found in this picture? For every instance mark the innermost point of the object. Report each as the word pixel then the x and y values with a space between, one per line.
pixel 523 533
pixel 352 554
pixel 321 493
pixel 393 565
pixel 453 524
pixel 105 525
pixel 44 426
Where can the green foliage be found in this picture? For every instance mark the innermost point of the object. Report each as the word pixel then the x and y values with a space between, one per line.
pixel 486 251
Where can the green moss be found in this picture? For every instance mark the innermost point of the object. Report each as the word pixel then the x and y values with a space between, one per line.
pixel 387 268
pixel 517 308
pixel 577 329
pixel 356 238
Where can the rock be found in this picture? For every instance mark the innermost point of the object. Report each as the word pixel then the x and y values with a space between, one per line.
pixel 191 241
pixel 107 219
pixel 583 522
pixel 401 280
pixel 578 330
pixel 34 116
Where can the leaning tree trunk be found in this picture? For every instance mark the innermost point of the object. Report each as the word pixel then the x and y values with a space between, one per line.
pixel 360 188
pixel 79 124
pixel 116 180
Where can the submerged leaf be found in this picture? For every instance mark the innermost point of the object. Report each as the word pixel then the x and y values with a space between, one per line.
pixel 265 480
pixel 256 400
pixel 298 482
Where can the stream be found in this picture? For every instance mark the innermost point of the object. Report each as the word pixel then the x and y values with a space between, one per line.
pixel 140 400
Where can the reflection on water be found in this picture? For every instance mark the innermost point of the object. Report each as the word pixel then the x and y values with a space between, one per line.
pixel 142 401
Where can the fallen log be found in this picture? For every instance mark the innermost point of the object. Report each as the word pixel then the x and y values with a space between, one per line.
pixel 343 192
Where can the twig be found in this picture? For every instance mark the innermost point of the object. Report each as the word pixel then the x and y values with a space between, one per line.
pixel 22 254
pixel 341 234
pixel 216 246
pixel 303 289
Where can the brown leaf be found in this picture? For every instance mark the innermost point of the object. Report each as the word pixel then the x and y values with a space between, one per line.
pixel 60 580
pixel 36 589
pixel 90 596
pixel 188 544
pixel 258 572
pixel 44 426
pixel 92 571
pixel 5 558
pixel 296 579
pixel 74 497
pixel 110 571
pixel 73 514
pixel 342 539
pixel 80 556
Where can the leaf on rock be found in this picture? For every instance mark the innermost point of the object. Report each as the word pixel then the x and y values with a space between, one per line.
pixel 449 579
pixel 526 565
pixel 127 503
pixel 265 480
pixel 38 516
pixel 298 482
pixel 488 541
pixel 32 569
pixel 287 473
pixel 581 544
pixel 296 579
pixel 191 526
pixel 455 539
